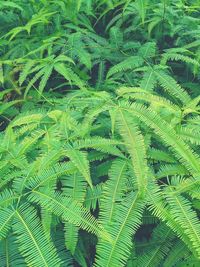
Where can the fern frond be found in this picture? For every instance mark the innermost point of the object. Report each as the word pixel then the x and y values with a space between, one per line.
pixel 69 75
pixel 80 160
pixel 7 198
pixel 178 254
pixel 128 220
pixel 134 142
pixel 172 87
pixel 101 74
pixel 148 81
pixel 181 150
pixel 63 253
pixel 127 64
pixel 192 106
pixel 71 237
pixel 159 208
pixel 158 247
pixel 155 100
pixel 6 106
pixel 189 135
pixel 113 191
pixel 46 175
pixel 187 219
pixel 191 186
pixel 74 186
pixel 9 253
pixel 100 144
pixel 27 119
pixel 69 210
pixel 26 70
pixel 28 142
pixel 31 83
pixel 10 4
pixel 6 217
pixel 160 155
pixel 47 73
pixel 178 57
pixel 33 245
pixel 46 221
pixel 170 170
pixel 93 196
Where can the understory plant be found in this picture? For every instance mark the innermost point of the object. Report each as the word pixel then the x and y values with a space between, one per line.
pixel 100 133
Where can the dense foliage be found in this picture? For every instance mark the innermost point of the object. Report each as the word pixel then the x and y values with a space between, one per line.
pixel 100 133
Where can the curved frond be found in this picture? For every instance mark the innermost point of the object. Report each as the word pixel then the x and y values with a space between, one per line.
pixel 158 247
pixel 172 87
pixel 134 142
pixel 6 216
pixel 127 222
pixel 113 191
pixel 181 150
pixel 69 210
pixel 127 64
pixel 187 219
pixel 33 245
pixel 79 159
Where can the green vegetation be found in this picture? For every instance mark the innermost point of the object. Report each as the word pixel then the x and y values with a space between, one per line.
pixel 100 133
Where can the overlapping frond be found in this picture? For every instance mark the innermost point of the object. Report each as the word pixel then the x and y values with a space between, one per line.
pixel 70 210
pixel 134 142
pixel 99 133
pixel 33 245
pixel 158 247
pixel 121 230
pixel 181 150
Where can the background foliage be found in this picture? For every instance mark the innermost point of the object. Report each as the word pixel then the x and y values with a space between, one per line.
pixel 100 133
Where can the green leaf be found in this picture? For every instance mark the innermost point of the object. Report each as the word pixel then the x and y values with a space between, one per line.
pixel 71 211
pixel 128 64
pixel 6 216
pixel 127 222
pixel 80 160
pixel 134 142
pixel 33 244
pixel 181 150
pixel 9 4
